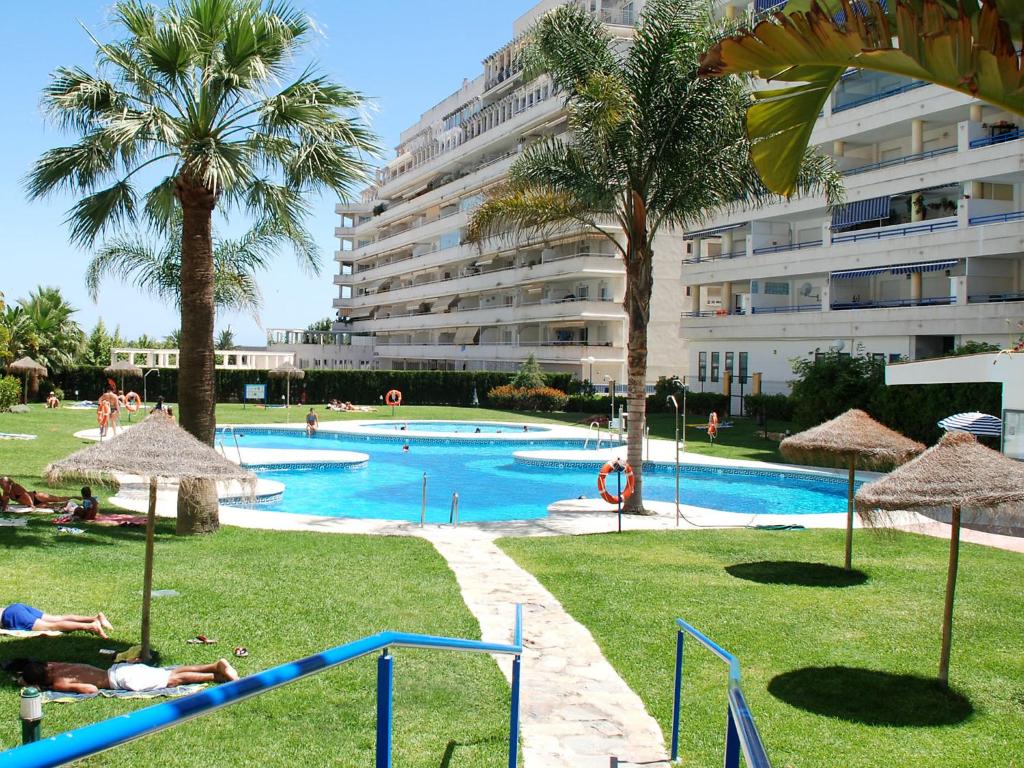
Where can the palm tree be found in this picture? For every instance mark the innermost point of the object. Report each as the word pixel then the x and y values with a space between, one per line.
pixel 650 146
pixel 202 94
pixel 155 267
pixel 53 337
pixel 225 339
pixel 964 45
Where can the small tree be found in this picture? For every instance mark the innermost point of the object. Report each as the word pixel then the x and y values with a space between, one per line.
pixel 10 392
pixel 529 375
pixel 96 350
pixel 225 339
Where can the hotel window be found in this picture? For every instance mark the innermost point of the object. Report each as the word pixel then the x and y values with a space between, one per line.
pixel 715 363
pixel 729 359
pixel 702 366
pixel 583 291
pixel 744 357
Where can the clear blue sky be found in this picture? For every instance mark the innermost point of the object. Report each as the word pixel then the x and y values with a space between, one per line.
pixel 405 54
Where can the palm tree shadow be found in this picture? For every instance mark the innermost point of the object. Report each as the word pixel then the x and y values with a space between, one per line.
pixel 796 573
pixel 452 745
pixel 871 697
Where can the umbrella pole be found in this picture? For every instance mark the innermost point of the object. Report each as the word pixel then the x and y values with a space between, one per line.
pixel 848 559
pixel 147 579
pixel 947 614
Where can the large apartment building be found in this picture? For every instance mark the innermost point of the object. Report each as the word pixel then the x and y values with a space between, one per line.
pixel 928 253
pixel 413 295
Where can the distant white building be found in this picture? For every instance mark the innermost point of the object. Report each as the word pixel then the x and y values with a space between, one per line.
pixel 417 297
pixel 928 254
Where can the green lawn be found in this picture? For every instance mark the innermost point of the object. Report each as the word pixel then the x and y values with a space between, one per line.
pixel 835 675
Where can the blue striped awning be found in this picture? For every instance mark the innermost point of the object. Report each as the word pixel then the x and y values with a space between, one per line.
pixel 860 211
pixel 713 231
pixel 849 274
pixel 931 266
pixel 975 423
pixel 768 5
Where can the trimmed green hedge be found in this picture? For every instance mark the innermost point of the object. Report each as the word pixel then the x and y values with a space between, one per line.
pixel 319 386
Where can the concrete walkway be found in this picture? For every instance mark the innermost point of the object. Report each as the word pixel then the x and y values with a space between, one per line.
pixel 576 710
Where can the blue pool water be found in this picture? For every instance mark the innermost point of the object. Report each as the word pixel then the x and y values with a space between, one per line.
pixel 493 486
pixel 458 427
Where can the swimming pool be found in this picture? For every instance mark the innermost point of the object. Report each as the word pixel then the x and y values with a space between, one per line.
pixel 492 485
pixel 453 427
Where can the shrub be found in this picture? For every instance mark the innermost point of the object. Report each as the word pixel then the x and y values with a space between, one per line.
pixel 529 375
pixel 703 403
pixel 505 396
pixel 775 407
pixel 527 398
pixel 593 404
pixel 10 392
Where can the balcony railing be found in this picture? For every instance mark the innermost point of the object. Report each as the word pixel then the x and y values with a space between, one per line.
pixel 1000 138
pixel 789 247
pixel 782 310
pixel 993 298
pixel 855 102
pixel 920 228
pixel 996 218
pixel 730 255
pixel 516 305
pixel 900 160
pixel 421 223
pixel 930 301
pixel 715 313
pixel 383 341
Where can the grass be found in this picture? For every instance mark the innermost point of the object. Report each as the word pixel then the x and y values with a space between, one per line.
pixel 838 671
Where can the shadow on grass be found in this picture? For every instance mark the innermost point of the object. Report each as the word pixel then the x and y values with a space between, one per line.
pixel 871 697
pixel 452 745
pixel 796 573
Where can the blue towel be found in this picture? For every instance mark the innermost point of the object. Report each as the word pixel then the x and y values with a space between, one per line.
pixel 62 697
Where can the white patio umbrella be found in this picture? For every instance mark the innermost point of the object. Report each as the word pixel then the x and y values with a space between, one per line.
pixel 975 423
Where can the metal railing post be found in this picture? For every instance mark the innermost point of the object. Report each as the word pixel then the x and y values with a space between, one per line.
pixel 732 741
pixel 513 728
pixel 677 698
pixel 385 694
pixel 423 503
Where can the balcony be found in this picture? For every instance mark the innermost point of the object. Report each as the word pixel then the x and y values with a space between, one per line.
pixel 498 314
pixel 899 230
pixel 862 87
pixel 789 247
pixel 896 161
pixel 543 351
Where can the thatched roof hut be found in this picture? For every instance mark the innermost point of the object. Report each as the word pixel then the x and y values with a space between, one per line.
pixel 850 440
pixel 156 447
pixel 959 473
pixel 287 371
pixel 26 367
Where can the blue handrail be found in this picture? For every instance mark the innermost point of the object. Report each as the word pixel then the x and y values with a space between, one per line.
pixel 996 218
pixel 1000 138
pixel 900 160
pixel 92 739
pixel 741 733
pixel 788 247
pixel 910 229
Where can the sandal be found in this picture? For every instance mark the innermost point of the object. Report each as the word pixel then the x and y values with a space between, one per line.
pixel 241 652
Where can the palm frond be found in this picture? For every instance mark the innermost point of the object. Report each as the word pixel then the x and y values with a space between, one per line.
pixel 109 208
pixel 570 45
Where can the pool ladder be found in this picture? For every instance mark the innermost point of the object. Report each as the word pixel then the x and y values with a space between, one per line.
pixel 235 438
pixel 453 514
pixel 586 443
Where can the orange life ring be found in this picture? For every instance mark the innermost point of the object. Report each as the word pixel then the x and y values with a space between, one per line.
pixel 132 402
pixel 602 478
pixel 713 424
pixel 393 398
pixel 102 413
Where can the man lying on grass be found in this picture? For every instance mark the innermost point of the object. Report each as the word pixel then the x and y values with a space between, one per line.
pixel 20 617
pixel 84 678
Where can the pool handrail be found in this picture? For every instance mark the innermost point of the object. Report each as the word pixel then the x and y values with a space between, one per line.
pixel 79 743
pixel 741 734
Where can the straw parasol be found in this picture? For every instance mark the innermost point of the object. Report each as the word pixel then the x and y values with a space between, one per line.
pixel 287 371
pixel 960 473
pixel 27 367
pixel 850 438
pixel 156 447
pixel 123 368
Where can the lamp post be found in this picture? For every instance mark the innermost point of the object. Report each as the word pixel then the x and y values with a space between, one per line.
pixel 145 399
pixel 675 404
pixel 590 360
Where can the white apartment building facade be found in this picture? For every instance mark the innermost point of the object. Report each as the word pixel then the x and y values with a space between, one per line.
pixel 928 253
pixel 413 295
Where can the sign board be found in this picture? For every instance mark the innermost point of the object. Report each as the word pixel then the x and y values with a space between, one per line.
pixel 255 391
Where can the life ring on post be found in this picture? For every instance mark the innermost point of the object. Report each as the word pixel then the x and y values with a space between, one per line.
pixel 393 398
pixel 103 413
pixel 602 478
pixel 132 402
pixel 713 425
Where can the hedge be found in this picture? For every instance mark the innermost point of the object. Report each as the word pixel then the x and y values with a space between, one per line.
pixel 318 386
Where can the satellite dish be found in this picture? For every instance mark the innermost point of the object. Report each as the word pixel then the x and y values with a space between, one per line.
pixel 838 345
pixel 805 289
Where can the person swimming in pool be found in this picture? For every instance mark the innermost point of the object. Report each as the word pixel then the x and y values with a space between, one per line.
pixel 87 679
pixel 24 618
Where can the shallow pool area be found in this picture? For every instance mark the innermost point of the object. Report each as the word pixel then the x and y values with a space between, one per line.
pixel 493 485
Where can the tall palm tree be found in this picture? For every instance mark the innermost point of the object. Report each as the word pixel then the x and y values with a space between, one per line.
pixel 155 267
pixel 53 338
pixel 650 146
pixel 965 45
pixel 203 95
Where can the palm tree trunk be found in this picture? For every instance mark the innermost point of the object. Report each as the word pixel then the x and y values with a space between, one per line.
pixel 639 282
pixel 197 500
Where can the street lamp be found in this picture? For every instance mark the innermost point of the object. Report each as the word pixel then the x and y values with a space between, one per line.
pixel 591 360
pixel 145 399
pixel 675 404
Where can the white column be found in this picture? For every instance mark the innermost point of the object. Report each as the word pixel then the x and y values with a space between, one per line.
pixel 727 242
pixel 916 148
pixel 976 113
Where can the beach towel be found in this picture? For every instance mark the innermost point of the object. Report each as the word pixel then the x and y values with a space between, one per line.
pixel 13 522
pixel 116 518
pixel 30 633
pixel 62 697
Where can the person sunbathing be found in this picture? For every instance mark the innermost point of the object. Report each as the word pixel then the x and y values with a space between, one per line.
pixel 87 510
pixel 24 618
pixel 85 678
pixel 52 401
pixel 12 491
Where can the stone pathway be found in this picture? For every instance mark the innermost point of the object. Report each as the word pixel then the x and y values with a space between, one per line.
pixel 576 711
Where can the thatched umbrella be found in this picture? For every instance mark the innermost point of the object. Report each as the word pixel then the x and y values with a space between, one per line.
pixel 157 447
pixel 27 367
pixel 849 439
pixel 123 368
pixel 287 371
pixel 960 473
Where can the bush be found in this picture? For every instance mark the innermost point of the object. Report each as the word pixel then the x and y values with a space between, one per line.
pixel 703 403
pixel 529 375
pixel 593 404
pixel 776 407
pixel 10 392
pixel 527 398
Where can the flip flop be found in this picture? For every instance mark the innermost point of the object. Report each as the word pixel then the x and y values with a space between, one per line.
pixel 241 652
pixel 200 640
